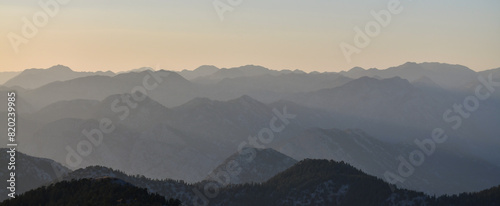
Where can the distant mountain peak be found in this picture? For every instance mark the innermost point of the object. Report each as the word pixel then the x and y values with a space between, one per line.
pixel 34 78
pixel 59 67
pixel 55 68
pixel 433 66
pixel 250 66
pixel 410 64
pixel 207 68
pixel 356 69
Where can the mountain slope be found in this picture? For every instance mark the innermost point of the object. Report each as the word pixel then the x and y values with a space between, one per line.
pixel 140 143
pixel 265 164
pixel 393 109
pixel 441 173
pixel 138 116
pixel 78 108
pixel 21 105
pixel 5 76
pixel 425 83
pixel 157 152
pixel 489 196
pixel 31 172
pixel 494 72
pixel 231 120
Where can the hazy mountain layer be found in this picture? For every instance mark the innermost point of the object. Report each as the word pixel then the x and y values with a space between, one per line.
pixel 184 129
pixel 34 78
pixel 251 166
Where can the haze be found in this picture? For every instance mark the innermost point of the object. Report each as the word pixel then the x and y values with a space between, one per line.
pixel 121 35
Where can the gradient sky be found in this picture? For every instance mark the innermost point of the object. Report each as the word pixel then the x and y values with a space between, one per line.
pixel 119 35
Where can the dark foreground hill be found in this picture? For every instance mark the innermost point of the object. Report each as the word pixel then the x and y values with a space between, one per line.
pixel 490 197
pixel 309 182
pixel 320 182
pixel 102 191
pixel 324 182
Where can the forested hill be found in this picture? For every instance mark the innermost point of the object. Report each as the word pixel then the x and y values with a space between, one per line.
pixel 309 182
pixel 326 182
pixel 102 191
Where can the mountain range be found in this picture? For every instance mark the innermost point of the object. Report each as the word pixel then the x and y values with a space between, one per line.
pixel 189 126
pixel 308 182
pixel 34 78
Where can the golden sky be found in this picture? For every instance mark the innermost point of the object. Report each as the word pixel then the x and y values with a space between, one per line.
pixel 121 35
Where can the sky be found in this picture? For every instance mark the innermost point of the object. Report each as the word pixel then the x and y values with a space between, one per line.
pixel 118 35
